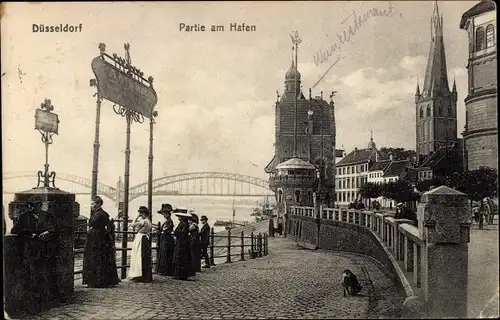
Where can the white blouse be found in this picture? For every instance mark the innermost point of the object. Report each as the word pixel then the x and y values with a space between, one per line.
pixel 144 226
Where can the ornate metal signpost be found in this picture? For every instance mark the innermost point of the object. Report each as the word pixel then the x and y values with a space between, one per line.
pixel 47 123
pixel 134 98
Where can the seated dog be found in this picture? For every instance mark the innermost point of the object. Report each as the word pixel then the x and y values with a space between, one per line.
pixel 350 283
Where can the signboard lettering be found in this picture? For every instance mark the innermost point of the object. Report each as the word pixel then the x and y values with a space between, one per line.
pixel 116 86
pixel 46 121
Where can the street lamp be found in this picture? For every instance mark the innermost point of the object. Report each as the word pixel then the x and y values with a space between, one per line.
pixel 47 123
pixel 150 161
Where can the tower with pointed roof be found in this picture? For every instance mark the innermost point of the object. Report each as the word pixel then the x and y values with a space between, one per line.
pixel 436 104
pixel 302 169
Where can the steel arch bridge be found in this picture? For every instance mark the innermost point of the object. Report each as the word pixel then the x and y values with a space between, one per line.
pixel 102 188
pixel 141 189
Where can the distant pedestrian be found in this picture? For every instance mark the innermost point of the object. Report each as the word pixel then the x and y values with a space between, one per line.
pixel 99 260
pixel 205 240
pixel 140 260
pixel 195 243
pixel 165 266
pixel 182 251
pixel 271 227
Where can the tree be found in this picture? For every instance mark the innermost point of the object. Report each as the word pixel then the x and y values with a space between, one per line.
pixel 399 191
pixel 425 185
pixel 369 190
pixel 481 183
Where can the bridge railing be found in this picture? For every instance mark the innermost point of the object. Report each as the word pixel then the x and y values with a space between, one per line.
pixel 223 248
pixel 400 236
pixel 428 257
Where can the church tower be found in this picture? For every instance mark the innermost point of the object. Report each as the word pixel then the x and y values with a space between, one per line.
pixel 436 104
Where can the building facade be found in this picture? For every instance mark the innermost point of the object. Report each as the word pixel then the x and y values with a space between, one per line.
pixel 481 128
pixel 304 156
pixel 352 172
pixel 385 171
pixel 436 104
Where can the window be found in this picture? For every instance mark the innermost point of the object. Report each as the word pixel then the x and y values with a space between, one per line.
pixel 450 112
pixel 480 39
pixel 440 110
pixel 428 111
pixel 280 196
pixel 421 112
pixel 297 197
pixel 490 36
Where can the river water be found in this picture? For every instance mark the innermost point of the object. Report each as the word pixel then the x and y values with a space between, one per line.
pixel 213 207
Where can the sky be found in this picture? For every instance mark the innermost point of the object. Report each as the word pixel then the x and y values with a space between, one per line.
pixel 216 90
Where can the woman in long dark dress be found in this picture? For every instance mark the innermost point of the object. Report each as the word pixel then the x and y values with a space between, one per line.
pixel 140 259
pixel 182 252
pixel 165 266
pixel 99 261
pixel 194 240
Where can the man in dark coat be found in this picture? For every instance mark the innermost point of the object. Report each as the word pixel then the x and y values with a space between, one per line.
pixel 205 240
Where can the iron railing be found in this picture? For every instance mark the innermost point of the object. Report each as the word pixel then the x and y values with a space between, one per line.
pixel 235 245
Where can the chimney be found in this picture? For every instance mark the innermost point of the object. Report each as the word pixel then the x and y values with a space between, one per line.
pixel 390 157
pixel 376 156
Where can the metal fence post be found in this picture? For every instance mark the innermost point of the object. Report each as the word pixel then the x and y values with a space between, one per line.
pixel 252 256
pixel 242 247
pixel 259 243
pixel 228 258
pixel 212 243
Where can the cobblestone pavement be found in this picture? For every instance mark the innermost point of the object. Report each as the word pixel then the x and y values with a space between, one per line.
pixel 483 288
pixel 288 283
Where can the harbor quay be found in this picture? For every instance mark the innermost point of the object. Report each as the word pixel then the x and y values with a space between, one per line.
pixel 289 282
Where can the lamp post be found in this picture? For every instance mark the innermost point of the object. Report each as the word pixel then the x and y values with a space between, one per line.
pixel 47 123
pixel 150 161
pixel 95 160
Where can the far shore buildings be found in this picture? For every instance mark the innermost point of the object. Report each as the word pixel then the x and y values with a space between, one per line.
pixel 481 114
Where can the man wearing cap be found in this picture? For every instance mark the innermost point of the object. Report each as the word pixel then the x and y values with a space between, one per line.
pixel 205 240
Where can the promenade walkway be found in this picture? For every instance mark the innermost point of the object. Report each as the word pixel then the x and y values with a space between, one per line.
pixel 483 290
pixel 288 283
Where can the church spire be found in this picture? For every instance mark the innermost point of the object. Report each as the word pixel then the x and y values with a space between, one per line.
pixel 454 85
pixel 436 78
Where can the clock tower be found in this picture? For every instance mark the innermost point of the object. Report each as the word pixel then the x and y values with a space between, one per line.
pixel 436 104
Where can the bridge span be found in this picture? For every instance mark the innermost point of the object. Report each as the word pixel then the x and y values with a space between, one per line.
pixel 184 184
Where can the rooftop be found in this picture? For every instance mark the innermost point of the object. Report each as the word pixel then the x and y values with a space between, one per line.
pixel 296 163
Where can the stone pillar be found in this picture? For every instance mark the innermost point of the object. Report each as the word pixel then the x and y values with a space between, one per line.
pixel 408 254
pixel 417 264
pixel 443 220
pixel 38 256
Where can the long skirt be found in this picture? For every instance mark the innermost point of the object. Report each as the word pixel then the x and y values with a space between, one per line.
pixel 165 265
pixel 99 261
pixel 140 260
pixel 196 254
pixel 183 260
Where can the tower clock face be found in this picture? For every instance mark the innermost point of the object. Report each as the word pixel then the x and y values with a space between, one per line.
pixel 483 144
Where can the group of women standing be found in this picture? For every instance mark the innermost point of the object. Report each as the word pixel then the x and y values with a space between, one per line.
pixel 179 258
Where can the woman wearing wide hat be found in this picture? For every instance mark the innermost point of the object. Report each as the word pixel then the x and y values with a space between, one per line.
pixel 140 260
pixel 182 252
pixel 165 265
pixel 194 240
